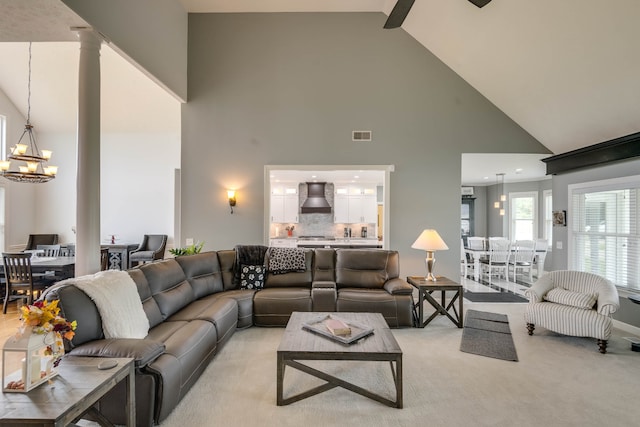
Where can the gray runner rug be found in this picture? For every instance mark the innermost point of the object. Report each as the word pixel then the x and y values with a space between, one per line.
pixel 488 334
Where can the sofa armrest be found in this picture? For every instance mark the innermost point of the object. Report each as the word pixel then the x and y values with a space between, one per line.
pixel 398 286
pixel 608 300
pixel 539 289
pixel 144 351
pixel 323 284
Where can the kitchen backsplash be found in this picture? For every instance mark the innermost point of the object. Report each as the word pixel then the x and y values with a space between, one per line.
pixel 319 224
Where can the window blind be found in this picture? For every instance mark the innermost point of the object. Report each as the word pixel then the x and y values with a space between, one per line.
pixel 604 232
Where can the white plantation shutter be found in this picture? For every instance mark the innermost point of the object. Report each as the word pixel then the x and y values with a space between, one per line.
pixel 604 232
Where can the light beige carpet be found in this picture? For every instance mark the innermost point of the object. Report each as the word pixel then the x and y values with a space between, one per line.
pixel 558 381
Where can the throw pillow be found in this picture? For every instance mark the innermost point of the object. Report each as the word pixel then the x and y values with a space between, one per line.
pixel 573 299
pixel 252 276
pixel 285 260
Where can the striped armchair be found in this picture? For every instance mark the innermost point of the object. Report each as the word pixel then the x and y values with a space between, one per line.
pixel 573 303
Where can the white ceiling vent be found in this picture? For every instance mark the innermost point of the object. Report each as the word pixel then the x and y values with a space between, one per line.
pixel 361 135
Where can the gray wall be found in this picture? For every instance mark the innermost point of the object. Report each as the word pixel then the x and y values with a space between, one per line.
pixel 629 312
pixel 288 88
pixel 152 33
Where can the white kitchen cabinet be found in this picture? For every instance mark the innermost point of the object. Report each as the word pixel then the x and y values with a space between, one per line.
pixel 341 209
pixel 284 204
pixel 355 205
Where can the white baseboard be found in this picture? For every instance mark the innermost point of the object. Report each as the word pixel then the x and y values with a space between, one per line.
pixel 626 327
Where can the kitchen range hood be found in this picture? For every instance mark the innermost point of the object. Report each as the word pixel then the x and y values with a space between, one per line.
pixel 316 202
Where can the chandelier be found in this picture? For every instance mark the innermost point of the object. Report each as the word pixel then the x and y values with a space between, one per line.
pixel 34 169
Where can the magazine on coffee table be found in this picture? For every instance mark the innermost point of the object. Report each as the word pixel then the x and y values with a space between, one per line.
pixel 319 326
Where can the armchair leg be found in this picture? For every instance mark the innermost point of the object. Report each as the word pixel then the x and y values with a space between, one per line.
pixel 602 346
pixel 530 328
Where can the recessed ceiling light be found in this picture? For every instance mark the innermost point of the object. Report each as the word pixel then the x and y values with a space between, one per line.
pixel 519 170
pixel 485 177
pixel 313 176
pixel 356 177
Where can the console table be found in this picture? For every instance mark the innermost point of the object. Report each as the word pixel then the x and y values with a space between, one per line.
pixel 426 288
pixel 71 394
pixel 119 254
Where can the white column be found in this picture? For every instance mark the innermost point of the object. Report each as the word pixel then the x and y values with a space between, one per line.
pixel 88 162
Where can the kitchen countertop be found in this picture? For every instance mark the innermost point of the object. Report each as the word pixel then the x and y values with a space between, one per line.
pixel 354 241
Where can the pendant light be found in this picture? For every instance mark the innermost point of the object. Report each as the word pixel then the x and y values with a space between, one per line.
pixel 35 169
pixel 499 204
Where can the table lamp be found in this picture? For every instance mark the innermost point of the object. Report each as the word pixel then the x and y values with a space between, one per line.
pixel 430 241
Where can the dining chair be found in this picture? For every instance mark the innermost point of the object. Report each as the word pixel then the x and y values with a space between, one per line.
pixel 498 258
pixel 40 239
pixel 477 243
pixel 19 277
pixel 466 262
pixel 68 250
pixel 542 246
pixel 49 250
pixel 151 249
pixel 523 254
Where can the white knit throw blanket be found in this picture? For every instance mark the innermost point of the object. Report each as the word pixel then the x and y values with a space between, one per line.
pixel 115 295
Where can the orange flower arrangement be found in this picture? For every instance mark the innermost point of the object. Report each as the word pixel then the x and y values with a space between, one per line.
pixel 44 317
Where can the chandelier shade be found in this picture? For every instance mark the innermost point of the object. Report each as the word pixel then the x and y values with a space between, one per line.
pixel 34 168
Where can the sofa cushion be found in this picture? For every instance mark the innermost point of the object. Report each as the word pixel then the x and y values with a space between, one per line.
pixel 273 307
pixel 570 298
pixel 189 348
pixel 227 260
pixel 203 273
pixel 169 286
pixel 365 268
pixel 295 278
pixel 244 299
pixel 285 260
pixel 149 305
pixel 252 277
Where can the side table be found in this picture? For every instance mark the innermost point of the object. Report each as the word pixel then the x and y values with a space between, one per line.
pixel 70 395
pixel 426 288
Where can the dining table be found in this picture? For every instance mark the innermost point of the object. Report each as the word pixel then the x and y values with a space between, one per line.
pixel 476 254
pixel 63 267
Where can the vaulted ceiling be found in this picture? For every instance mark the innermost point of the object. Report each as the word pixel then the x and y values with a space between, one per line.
pixel 566 71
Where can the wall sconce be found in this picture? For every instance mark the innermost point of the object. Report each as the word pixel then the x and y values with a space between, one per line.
pixel 232 198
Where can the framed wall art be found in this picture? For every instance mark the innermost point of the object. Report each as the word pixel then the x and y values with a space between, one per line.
pixel 560 218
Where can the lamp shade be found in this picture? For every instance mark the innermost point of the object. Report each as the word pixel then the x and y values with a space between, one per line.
pixel 430 240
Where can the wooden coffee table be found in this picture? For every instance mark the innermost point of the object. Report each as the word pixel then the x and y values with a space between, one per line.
pixel 300 344
pixel 71 394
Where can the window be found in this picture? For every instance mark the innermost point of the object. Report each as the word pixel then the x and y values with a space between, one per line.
pixel 3 138
pixel 523 208
pixel 548 217
pixel 604 230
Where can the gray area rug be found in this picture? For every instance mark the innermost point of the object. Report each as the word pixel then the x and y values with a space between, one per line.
pixel 488 334
pixel 493 297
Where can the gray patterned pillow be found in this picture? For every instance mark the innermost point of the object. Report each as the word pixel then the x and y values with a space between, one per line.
pixel 573 299
pixel 252 276
pixel 286 260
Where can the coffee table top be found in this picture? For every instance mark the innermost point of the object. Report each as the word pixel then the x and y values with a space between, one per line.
pixel 301 341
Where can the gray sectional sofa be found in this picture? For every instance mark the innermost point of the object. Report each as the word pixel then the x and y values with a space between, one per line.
pixel 194 305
